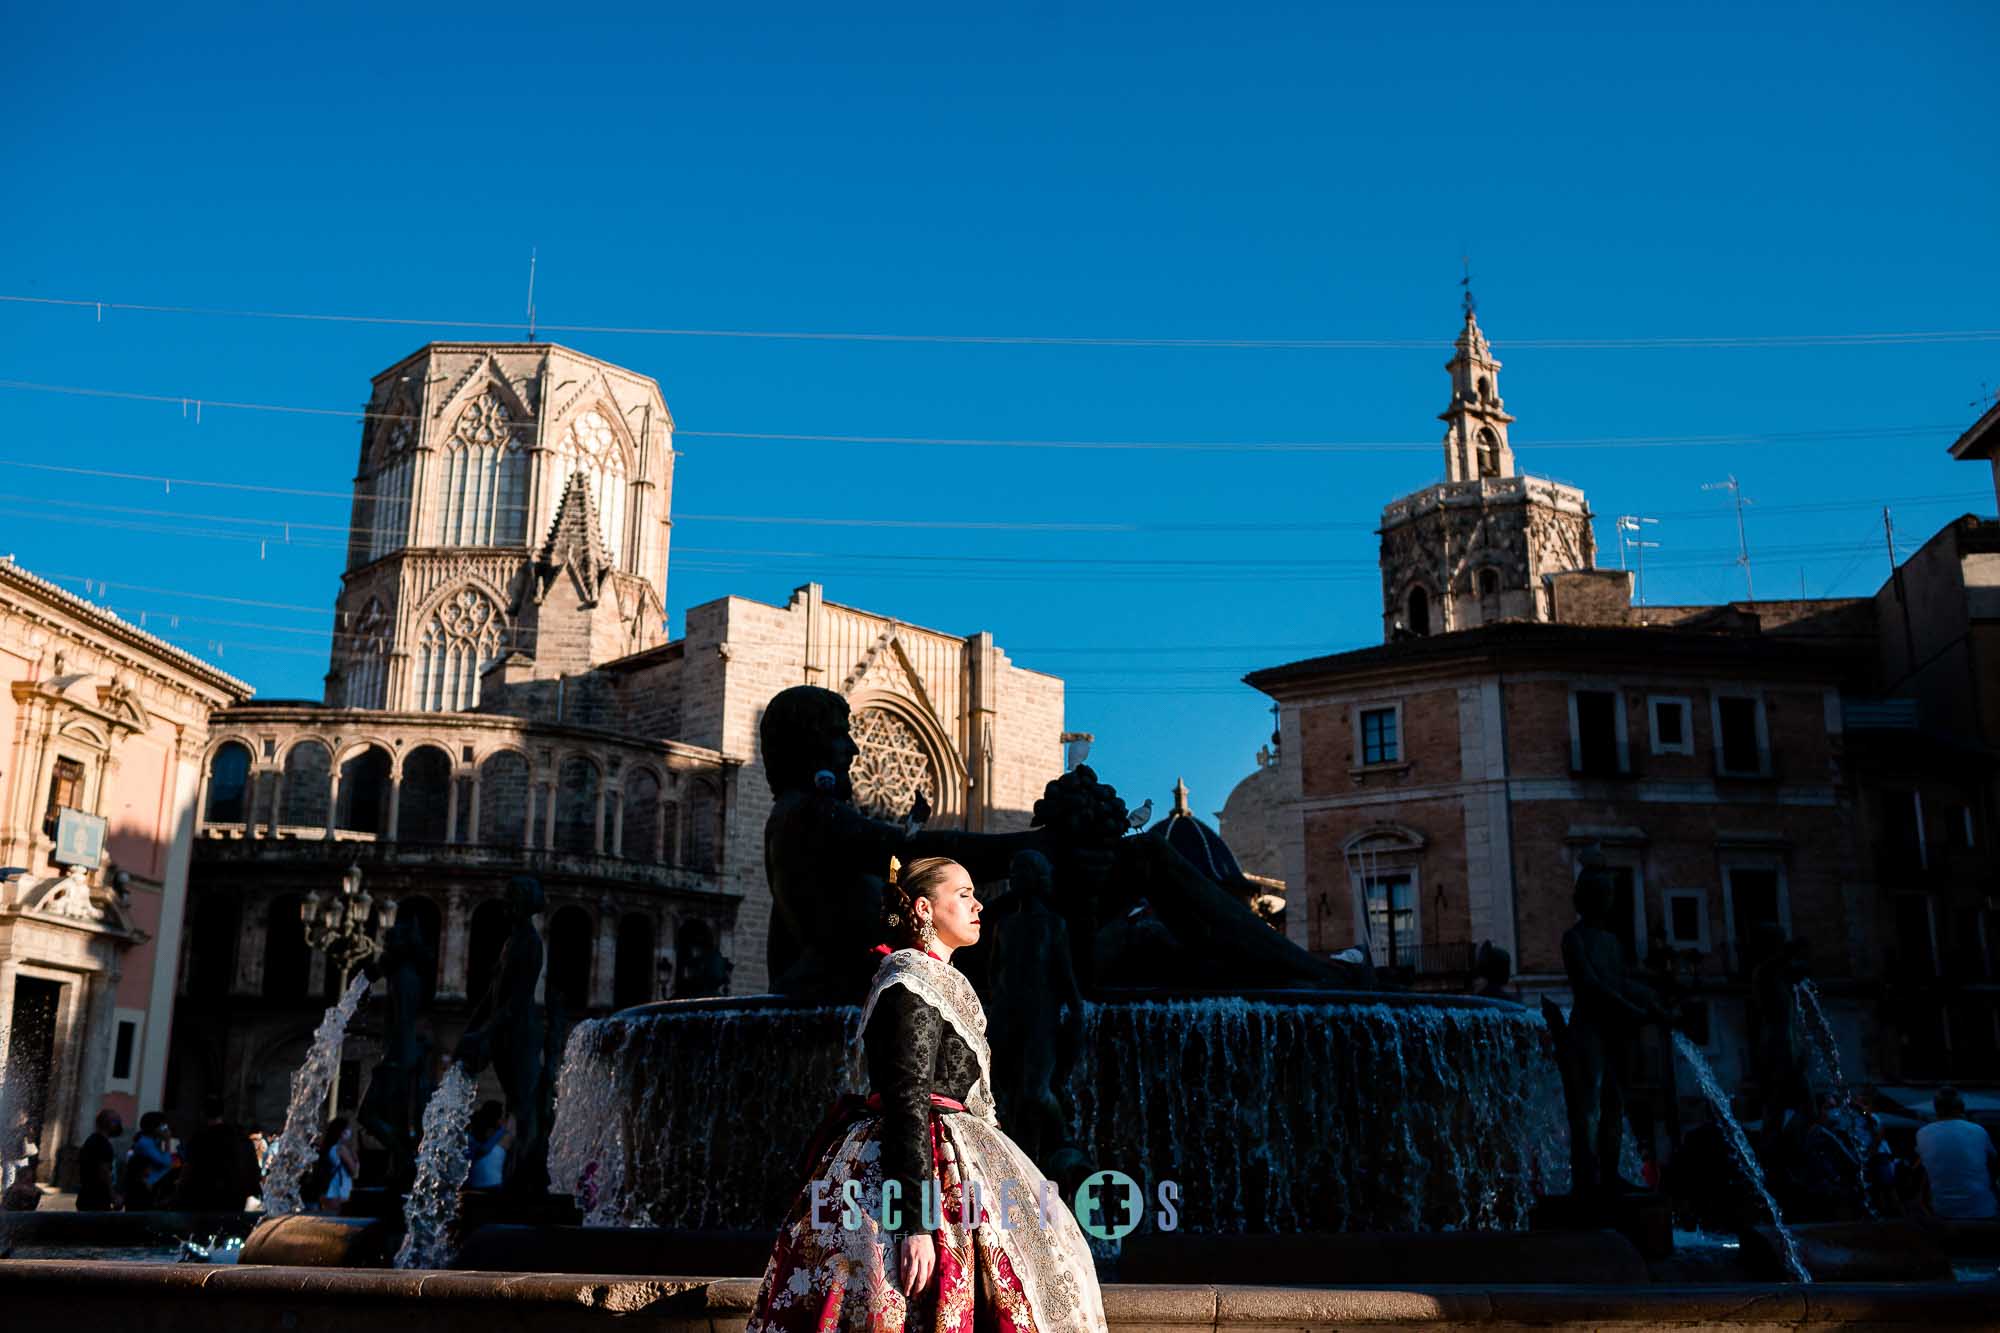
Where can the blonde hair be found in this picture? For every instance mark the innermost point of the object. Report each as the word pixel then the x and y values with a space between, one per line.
pixel 921 878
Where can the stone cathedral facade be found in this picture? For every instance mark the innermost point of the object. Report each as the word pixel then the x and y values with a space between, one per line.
pixel 502 695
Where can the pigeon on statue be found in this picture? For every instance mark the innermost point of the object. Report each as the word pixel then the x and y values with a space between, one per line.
pixel 1141 817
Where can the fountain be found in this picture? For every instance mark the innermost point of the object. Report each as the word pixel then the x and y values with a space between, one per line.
pixel 1739 1148
pixel 293 1152
pixel 432 1207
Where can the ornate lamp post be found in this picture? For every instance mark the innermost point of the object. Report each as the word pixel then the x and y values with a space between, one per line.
pixel 339 926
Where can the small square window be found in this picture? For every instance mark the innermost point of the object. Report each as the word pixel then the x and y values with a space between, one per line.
pixel 1687 918
pixel 1379 741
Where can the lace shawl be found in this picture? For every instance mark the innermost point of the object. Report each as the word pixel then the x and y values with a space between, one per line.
pixel 945 989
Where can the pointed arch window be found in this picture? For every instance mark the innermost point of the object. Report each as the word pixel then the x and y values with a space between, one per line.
pixel 367 656
pixel 1489 453
pixel 385 513
pixel 590 446
pixel 485 492
pixel 460 640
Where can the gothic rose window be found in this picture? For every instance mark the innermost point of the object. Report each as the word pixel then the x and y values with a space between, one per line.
pixel 461 639
pixel 590 447
pixel 485 493
pixel 894 765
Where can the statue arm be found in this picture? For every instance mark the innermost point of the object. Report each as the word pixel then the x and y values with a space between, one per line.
pixel 984 855
pixel 1611 992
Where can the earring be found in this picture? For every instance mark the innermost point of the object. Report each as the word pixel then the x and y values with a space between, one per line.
pixel 926 933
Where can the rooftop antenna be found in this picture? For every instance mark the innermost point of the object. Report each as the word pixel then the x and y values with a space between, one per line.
pixel 1735 490
pixel 531 293
pixel 1634 524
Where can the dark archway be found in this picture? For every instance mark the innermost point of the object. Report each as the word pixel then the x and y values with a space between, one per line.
pixel 577 786
pixel 571 938
pixel 423 795
pixel 503 800
pixel 364 792
pixel 640 832
pixel 308 785
pixel 415 907
pixel 636 978
pixel 228 784
pixel 691 942
pixel 1420 611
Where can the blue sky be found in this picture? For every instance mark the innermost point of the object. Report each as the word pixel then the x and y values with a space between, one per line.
pixel 1234 172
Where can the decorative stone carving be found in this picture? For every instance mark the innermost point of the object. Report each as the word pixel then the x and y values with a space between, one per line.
pixel 893 767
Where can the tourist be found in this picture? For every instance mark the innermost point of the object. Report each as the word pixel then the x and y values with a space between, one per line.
pixel 929 1127
pixel 487 1138
pixel 1959 1163
pixel 97 1165
pixel 221 1165
pixel 20 1157
pixel 149 1166
pixel 260 1143
pixel 339 1165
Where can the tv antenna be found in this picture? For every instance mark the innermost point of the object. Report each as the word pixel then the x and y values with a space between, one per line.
pixel 1635 525
pixel 1735 489
pixel 531 293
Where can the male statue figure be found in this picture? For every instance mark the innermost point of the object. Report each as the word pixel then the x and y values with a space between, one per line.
pixel 1611 1005
pixel 507 1027
pixel 1035 1009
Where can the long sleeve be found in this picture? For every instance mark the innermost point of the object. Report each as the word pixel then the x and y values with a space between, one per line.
pixel 902 1046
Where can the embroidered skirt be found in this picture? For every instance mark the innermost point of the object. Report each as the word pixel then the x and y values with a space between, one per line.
pixel 825 1278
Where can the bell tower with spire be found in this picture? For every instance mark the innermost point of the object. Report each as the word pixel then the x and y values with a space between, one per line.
pixel 1479 546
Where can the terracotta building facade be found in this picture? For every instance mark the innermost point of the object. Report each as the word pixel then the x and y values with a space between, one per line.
pixel 104 727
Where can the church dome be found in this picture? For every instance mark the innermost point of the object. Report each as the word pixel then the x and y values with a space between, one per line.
pixel 1200 844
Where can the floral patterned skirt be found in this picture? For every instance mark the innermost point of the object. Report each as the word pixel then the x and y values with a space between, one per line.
pixel 826 1278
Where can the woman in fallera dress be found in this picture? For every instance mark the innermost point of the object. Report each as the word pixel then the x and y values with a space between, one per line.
pixel 928 1126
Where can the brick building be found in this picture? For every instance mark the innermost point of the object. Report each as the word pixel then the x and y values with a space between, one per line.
pixel 104 727
pixel 502 695
pixel 1825 766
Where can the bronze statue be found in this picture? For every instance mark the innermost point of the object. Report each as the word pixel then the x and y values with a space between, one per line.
pixel 1610 1007
pixel 1782 1086
pixel 1035 1012
pixel 391 1108
pixel 507 1027
pixel 825 860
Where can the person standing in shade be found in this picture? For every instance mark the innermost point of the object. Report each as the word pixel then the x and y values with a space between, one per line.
pixel 487 1138
pixel 149 1166
pixel 339 1163
pixel 97 1190
pixel 1960 1164
pixel 221 1165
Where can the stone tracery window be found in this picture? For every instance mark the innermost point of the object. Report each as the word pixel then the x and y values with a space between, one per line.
pixel 894 765
pixel 385 515
pixel 485 494
pixel 461 639
pixel 367 648
pixel 590 446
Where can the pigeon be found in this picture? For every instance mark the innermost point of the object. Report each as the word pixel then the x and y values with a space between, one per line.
pixel 1141 817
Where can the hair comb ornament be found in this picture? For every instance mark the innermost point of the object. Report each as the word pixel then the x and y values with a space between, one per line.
pixel 895 869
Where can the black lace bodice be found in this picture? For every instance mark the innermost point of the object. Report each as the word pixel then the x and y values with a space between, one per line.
pixel 912 1052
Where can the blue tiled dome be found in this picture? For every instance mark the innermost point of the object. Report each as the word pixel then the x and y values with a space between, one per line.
pixel 1201 845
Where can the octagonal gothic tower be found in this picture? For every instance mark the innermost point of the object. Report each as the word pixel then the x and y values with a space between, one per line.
pixel 511 502
pixel 1479 546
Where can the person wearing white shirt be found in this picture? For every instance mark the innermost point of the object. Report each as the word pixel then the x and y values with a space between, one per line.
pixel 1960 1163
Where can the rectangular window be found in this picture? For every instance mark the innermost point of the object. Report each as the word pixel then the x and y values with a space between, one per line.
pixel 1391 904
pixel 1672 730
pixel 1379 741
pixel 1754 907
pixel 65 789
pixel 127 1027
pixel 1738 747
pixel 1597 750
pixel 1687 919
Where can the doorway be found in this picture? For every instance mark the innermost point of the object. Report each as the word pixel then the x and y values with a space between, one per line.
pixel 31 1050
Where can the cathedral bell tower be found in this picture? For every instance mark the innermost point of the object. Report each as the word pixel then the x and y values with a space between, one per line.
pixel 1478 547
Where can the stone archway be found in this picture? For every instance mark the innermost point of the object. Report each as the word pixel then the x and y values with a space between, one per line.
pixel 895 763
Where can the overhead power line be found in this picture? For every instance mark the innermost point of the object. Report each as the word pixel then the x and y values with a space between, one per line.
pixel 1135 446
pixel 1741 341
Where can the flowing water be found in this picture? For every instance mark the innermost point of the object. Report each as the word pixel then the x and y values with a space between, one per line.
pixel 431 1211
pixel 1821 1032
pixel 293 1153
pixel 1739 1148
pixel 1271 1113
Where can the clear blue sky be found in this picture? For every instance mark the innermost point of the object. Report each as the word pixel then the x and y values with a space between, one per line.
pixel 1161 171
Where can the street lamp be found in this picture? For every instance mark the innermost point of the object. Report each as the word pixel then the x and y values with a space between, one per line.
pixel 339 926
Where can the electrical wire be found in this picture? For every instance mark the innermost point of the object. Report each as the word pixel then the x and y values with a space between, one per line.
pixel 1739 341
